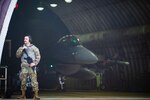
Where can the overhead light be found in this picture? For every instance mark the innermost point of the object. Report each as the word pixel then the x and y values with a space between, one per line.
pixel 40 8
pixel 53 5
pixel 68 1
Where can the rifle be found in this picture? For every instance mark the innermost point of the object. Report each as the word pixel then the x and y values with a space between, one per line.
pixel 29 59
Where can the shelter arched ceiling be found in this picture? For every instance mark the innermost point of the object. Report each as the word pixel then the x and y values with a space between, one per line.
pixel 88 16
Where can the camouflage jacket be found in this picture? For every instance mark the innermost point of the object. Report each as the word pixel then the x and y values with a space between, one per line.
pixel 32 51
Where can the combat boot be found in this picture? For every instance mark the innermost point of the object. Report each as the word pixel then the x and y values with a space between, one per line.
pixel 23 96
pixel 36 96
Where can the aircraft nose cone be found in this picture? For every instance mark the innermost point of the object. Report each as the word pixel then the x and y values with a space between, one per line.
pixel 85 56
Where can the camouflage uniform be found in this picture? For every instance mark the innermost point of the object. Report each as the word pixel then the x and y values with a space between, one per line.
pixel 34 53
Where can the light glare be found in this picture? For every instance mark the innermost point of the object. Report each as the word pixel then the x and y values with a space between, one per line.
pixel 53 5
pixel 40 8
pixel 68 1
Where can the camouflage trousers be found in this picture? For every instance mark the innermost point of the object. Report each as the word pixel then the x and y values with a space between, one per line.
pixel 25 72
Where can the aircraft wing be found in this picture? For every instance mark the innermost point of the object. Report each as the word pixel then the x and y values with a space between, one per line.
pixel 84 74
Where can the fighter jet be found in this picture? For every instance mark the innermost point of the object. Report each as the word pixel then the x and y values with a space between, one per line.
pixel 70 55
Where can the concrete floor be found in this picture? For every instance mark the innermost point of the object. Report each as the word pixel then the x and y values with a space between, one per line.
pixel 89 95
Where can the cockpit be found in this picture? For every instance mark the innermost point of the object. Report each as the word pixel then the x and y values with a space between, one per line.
pixel 68 40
